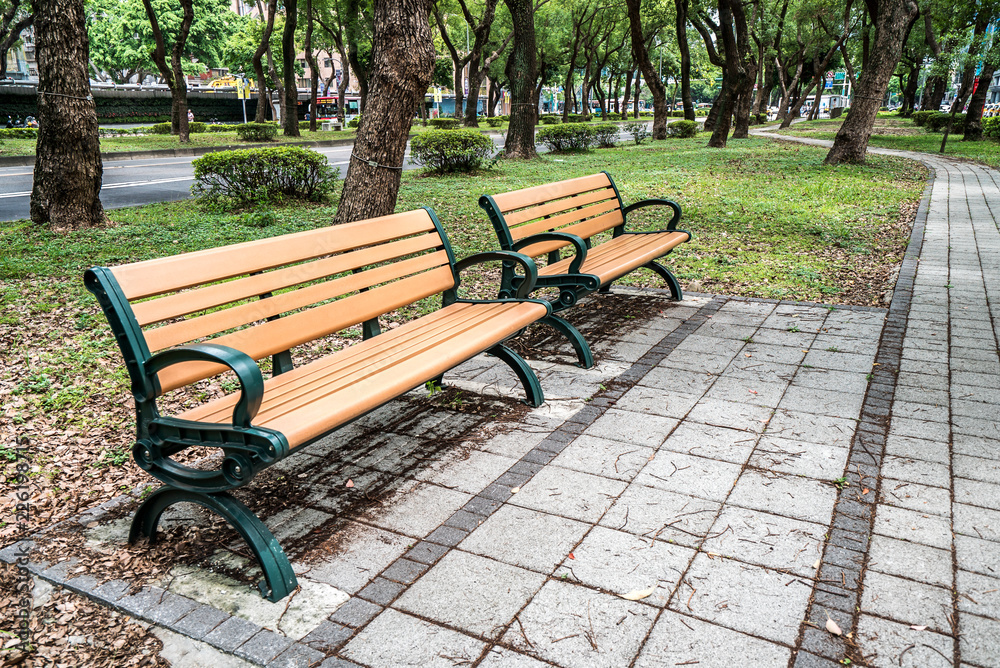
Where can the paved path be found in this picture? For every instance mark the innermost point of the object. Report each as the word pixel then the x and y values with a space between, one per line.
pixel 695 469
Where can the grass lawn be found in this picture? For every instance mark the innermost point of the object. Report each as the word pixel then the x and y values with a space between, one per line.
pixel 902 134
pixel 769 220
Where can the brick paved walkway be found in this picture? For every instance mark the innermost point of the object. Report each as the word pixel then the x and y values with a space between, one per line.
pixel 695 469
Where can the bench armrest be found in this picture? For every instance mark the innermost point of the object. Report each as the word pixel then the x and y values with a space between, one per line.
pixel 671 226
pixel 578 244
pixel 251 380
pixel 530 270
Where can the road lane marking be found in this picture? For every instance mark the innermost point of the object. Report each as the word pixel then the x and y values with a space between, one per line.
pixel 113 186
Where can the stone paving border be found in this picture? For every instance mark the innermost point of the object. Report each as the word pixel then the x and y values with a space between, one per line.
pixel 837 589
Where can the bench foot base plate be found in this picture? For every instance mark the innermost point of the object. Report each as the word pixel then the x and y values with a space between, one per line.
pixel 279 578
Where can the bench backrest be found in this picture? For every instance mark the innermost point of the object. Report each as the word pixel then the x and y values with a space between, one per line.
pixel 584 206
pixel 265 297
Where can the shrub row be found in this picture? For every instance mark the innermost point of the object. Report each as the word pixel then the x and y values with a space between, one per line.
pixel 939 120
pixel 257 131
pixel 458 150
pixel 444 123
pixel 577 136
pixel 18 133
pixel 920 117
pixel 682 129
pixel 991 127
pixel 262 176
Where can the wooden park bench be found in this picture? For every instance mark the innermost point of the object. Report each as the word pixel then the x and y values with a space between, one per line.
pixel 545 219
pixel 183 319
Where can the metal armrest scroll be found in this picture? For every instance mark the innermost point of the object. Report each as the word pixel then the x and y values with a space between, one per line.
pixel 251 380
pixel 530 270
pixel 578 244
pixel 671 226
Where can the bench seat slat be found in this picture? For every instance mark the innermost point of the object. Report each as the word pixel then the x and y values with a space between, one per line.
pixel 584 230
pixel 287 386
pixel 237 316
pixel 284 333
pixel 384 367
pixel 516 218
pixel 519 199
pixel 561 222
pixel 178 272
pixel 616 257
pixel 192 301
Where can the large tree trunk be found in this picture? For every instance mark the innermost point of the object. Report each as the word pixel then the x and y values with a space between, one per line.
pixel 682 43
pixel 174 73
pixel 313 70
pixel 910 89
pixel 521 72
pixel 68 169
pixel 974 116
pixel 892 21
pixel 641 56
pixel 401 72
pixel 258 60
pixel 290 121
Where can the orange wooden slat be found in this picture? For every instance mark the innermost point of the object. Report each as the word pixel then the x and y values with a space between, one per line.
pixel 515 218
pixel 615 258
pixel 279 335
pixel 212 323
pixel 191 301
pixel 555 223
pixel 169 274
pixel 584 230
pixel 518 199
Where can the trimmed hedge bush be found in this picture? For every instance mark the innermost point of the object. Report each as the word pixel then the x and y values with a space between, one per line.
pixel 257 131
pixel 442 151
pixel 939 120
pixel 920 117
pixel 605 135
pixel 682 129
pixel 638 130
pixel 19 133
pixel 493 121
pixel 550 120
pixel 197 127
pixel 991 127
pixel 159 129
pixel 262 176
pixel 221 128
pixel 566 136
pixel 443 123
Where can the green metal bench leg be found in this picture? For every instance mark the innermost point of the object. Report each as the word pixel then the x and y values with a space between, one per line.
pixel 675 287
pixel 524 373
pixel 279 578
pixel 575 338
pixel 604 289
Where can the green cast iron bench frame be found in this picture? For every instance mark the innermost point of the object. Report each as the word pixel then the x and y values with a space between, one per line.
pixel 544 220
pixel 186 318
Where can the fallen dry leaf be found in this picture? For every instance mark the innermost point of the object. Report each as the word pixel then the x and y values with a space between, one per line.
pixel 639 594
pixel 515 490
pixel 919 628
pixel 350 483
pixel 832 627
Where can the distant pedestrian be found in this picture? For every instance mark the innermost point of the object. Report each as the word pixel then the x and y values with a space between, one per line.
pixel 190 116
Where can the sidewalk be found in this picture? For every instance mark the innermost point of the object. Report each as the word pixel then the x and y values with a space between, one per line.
pixel 732 474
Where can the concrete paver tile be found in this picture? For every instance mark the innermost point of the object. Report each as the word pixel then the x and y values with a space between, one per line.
pixel 580 496
pixel 979 639
pixel 918 448
pixel 822 402
pixel 682 640
pixel 743 390
pixel 363 552
pixel 977 555
pixel 978 594
pixel 743 597
pixel 526 538
pixel 812 428
pixel 914 526
pixel 828 379
pixel 418 509
pixel 729 445
pixel 470 592
pixel 470 473
pixel 975 521
pixel 760 371
pixel 976 493
pixel 712 345
pixel 700 363
pixel 501 657
pixel 912 560
pixel 919 411
pixel 923 499
pixel 935 431
pixel 677 472
pixel 646 430
pixel 974 446
pixel 769 352
pixel 811 460
pixel 682 381
pixel 415 642
pixel 604 457
pixel 571 625
pixel 656 401
pixel 732 414
pixel 906 601
pixel 670 516
pixel 767 540
pixel 782 337
pixel 838 361
pixel 887 644
pixel 621 563
pixel 790 496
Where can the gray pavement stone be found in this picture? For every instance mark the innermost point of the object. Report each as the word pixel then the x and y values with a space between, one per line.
pixel 735 415
pixel 979 639
pixel 571 625
pixel 812 428
pixel 743 597
pixel 501 537
pixel 918 448
pixel 760 372
pixel 828 379
pixel 803 459
pixel 906 601
pixel 919 411
pixel 887 644
pixel 297 656
pixel 231 633
pixel 501 657
pixel 681 381
pixel 744 390
pixel 263 647
pixel 579 496
pixel 976 493
pixel 418 509
pixel 415 642
pixel 604 457
pixel 791 496
pixel 364 552
pixel 729 445
pixel 772 541
pixel 924 499
pixel 656 401
pixel 978 594
pixel 200 622
pixel 356 612
pixel 622 563
pixel 913 526
pixel 974 446
pixel 977 555
pixel 911 560
pixel 472 593
pixel 664 515
pixel 647 430
pixel 682 640
pixel 698 476
pixel 979 522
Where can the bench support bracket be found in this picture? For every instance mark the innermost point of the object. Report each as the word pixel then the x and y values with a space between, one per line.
pixel 532 388
pixel 583 353
pixel 675 287
pixel 279 578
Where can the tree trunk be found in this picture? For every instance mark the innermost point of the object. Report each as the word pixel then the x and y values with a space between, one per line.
pixel 258 60
pixel 685 48
pixel 353 25
pixel 11 28
pixel 713 113
pixel 521 71
pixel 628 93
pixel 278 87
pixel 893 20
pixel 910 90
pixel 934 91
pixel 290 121
pixel 472 101
pixel 401 72
pixel 641 56
pixel 313 70
pixel 68 168
pixel 174 73
pixel 974 116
